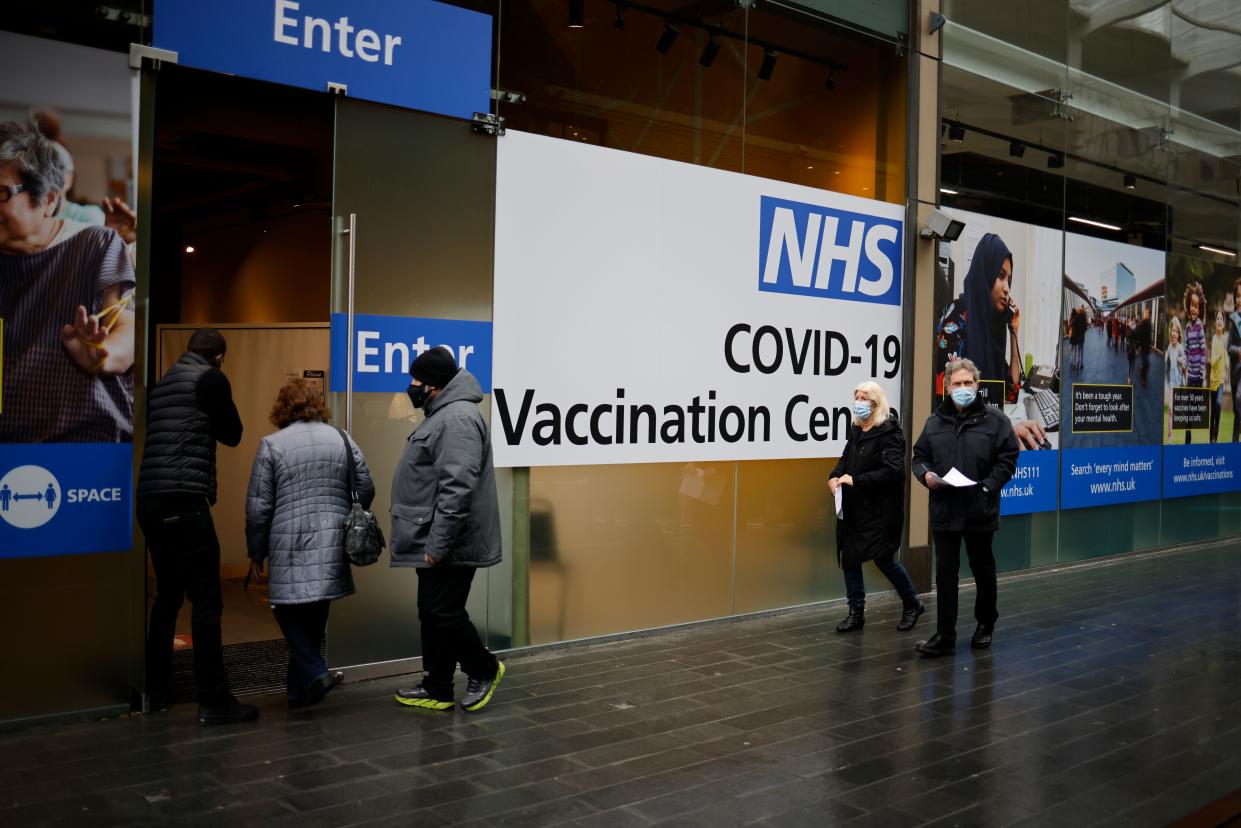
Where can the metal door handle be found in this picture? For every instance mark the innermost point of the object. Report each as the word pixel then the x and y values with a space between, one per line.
pixel 352 233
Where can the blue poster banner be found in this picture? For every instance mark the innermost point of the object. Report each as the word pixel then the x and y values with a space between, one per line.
pixel 1033 487
pixel 418 54
pixel 1201 468
pixel 1106 476
pixel 384 346
pixel 65 499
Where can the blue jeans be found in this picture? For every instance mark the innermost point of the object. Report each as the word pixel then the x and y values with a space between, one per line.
pixel 855 587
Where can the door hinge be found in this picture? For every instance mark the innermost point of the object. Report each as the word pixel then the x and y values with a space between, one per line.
pixel 485 123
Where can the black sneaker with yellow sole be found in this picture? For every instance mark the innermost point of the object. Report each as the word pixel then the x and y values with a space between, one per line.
pixel 419 697
pixel 479 691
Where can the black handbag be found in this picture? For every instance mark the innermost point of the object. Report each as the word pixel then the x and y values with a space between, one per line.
pixel 364 540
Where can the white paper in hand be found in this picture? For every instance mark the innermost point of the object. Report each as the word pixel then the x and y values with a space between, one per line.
pixel 955 478
pixel 840 502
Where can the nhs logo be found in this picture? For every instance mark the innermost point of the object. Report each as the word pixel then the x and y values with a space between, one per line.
pixel 812 250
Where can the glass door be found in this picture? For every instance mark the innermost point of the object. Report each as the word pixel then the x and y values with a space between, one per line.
pixel 413 213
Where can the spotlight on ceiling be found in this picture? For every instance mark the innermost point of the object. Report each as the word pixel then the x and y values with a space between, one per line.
pixel 666 39
pixel 1055 161
pixel 189 248
pixel 577 14
pixel 1131 181
pixel 767 66
pixel 956 132
pixel 1016 149
pixel 831 80
pixel 710 51
pixel 619 22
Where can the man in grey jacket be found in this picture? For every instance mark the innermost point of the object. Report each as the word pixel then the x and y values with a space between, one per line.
pixel 446 522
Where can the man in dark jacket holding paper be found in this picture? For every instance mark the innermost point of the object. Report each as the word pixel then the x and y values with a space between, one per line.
pixel 976 441
pixel 446 522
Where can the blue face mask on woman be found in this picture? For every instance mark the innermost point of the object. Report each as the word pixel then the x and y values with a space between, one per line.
pixel 862 409
pixel 964 396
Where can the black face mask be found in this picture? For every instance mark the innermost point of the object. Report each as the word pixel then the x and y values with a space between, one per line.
pixel 418 395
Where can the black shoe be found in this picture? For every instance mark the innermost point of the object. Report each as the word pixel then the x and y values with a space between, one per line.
pixel 910 616
pixel 982 636
pixel 855 620
pixel 478 691
pixel 230 712
pixel 314 694
pixel 937 645
pixel 419 697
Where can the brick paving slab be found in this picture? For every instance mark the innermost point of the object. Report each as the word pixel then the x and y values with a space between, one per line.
pixel 1109 698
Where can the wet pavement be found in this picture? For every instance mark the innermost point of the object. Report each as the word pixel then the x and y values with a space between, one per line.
pixel 1110 697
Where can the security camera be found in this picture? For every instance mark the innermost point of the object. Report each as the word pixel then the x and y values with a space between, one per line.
pixel 942 226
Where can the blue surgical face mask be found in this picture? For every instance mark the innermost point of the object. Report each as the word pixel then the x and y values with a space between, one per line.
pixel 861 410
pixel 964 397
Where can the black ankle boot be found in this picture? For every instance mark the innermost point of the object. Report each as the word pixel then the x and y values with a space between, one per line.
pixel 854 621
pixel 910 616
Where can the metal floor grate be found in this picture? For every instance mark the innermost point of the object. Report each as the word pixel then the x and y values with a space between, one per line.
pixel 253 668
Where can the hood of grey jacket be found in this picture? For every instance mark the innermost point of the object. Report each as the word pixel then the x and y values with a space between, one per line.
pixel 444 501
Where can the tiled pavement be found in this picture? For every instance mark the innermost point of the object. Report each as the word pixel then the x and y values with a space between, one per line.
pixel 1112 696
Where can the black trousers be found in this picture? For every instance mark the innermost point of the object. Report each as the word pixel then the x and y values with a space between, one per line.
pixel 303 626
pixel 947 572
pixel 185 552
pixel 448 636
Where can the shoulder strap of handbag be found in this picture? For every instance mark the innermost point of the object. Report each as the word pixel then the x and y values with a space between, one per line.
pixel 353 493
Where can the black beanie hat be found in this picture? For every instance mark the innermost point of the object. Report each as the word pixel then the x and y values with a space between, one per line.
pixel 435 367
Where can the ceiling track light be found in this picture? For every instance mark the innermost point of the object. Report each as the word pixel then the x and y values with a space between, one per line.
pixel 1221 251
pixel 1091 222
pixel 1016 149
pixel 1131 181
pixel 666 39
pixel 956 132
pixel 767 66
pixel 619 22
pixel 1055 161
pixel 710 51
pixel 577 14
pixel 831 80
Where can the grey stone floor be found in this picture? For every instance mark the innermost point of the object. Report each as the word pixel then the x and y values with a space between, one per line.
pixel 1112 696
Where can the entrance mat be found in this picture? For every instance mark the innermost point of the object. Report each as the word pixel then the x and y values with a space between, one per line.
pixel 253 668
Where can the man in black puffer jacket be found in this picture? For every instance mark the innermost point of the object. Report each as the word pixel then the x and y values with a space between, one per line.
pixel 188 412
pixel 966 434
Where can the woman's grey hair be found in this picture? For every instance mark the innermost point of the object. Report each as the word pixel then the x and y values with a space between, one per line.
pixel 961 364
pixel 35 156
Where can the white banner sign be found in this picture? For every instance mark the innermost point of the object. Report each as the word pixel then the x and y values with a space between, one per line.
pixel 652 311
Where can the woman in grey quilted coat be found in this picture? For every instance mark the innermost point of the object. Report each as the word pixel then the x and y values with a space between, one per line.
pixel 295 519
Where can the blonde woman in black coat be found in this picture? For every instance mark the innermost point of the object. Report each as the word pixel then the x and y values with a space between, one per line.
pixel 871 474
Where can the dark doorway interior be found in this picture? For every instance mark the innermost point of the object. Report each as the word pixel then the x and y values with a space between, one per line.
pixel 241 237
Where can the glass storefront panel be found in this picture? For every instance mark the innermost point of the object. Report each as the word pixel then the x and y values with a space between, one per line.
pixel 801 76
pixel 617 548
pixel 786 536
pixel 422 247
pixel 629 78
pixel 1036 26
